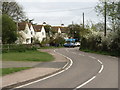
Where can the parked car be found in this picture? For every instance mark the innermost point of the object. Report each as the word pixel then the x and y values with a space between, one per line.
pixel 77 44
pixel 69 45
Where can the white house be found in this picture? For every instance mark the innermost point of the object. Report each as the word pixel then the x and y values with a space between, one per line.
pixel 61 30
pixel 40 32
pixel 26 33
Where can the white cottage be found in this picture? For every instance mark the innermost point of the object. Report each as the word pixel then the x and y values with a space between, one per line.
pixel 26 33
pixel 40 32
pixel 61 30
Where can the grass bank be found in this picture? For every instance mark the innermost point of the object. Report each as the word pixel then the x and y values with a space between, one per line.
pixel 5 71
pixel 27 56
pixel 100 52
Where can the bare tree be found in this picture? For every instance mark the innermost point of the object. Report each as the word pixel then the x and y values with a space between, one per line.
pixel 13 9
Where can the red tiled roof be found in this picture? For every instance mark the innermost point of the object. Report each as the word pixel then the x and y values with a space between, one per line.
pixel 63 29
pixel 37 28
pixel 21 25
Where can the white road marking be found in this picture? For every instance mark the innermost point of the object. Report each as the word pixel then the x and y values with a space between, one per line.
pixel 71 62
pixel 85 83
pixel 101 69
pixel 92 57
pixel 113 57
pixel 81 54
pixel 100 62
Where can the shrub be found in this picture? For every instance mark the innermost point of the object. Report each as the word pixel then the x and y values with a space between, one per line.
pixel 17 48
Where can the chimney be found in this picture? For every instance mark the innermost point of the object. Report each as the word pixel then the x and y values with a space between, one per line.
pixel 62 25
pixel 44 23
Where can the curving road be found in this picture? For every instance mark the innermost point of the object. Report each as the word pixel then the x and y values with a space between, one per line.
pixel 86 70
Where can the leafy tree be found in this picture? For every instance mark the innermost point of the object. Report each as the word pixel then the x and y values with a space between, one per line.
pixel 48 29
pixel 59 40
pixel 8 30
pixel 74 30
pixel 0 25
pixel 13 9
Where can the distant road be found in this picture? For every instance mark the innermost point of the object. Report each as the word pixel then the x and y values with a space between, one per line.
pixel 87 71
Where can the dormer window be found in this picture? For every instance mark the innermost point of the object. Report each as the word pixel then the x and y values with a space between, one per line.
pixel 42 33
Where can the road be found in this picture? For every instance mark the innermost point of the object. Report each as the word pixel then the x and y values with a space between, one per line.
pixel 87 70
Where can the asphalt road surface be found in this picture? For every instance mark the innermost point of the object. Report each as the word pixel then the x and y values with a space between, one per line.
pixel 87 70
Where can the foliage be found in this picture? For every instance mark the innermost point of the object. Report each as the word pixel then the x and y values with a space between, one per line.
pixel 0 26
pixel 48 29
pixel 9 33
pixel 59 40
pixel 74 30
pixel 17 48
pixel 112 11
pixel 44 42
pixel 110 44
pixel 13 9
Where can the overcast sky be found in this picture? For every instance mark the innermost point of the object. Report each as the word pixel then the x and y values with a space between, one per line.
pixel 55 12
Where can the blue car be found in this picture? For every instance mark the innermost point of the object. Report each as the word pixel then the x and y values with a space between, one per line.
pixel 69 45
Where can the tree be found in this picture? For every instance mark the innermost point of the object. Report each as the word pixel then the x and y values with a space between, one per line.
pixel 74 30
pixel 48 29
pixel 112 11
pixel 13 9
pixel 9 28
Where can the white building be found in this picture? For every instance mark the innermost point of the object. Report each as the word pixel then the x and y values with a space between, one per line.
pixel 40 33
pixel 28 33
pixel 60 30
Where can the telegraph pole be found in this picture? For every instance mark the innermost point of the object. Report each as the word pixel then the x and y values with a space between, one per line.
pixel 83 20
pixel 105 18
pixel 72 29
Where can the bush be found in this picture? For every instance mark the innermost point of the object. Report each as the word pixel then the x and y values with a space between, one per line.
pixel 92 42
pixel 17 48
pixel 110 44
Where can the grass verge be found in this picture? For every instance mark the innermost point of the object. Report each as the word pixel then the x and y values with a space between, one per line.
pixel 27 56
pixel 5 71
pixel 100 52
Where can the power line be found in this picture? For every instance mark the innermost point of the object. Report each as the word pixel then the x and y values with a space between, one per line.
pixel 62 10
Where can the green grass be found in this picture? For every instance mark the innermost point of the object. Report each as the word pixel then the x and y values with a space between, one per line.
pixel 5 71
pixel 27 56
pixel 99 52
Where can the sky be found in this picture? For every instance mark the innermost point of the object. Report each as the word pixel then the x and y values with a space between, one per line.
pixel 57 12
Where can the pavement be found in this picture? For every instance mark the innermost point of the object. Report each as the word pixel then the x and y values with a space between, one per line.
pixel 39 70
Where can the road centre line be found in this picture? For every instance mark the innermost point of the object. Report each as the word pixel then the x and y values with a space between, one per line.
pixel 92 57
pixel 71 62
pixel 85 83
pixel 100 62
pixel 101 69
